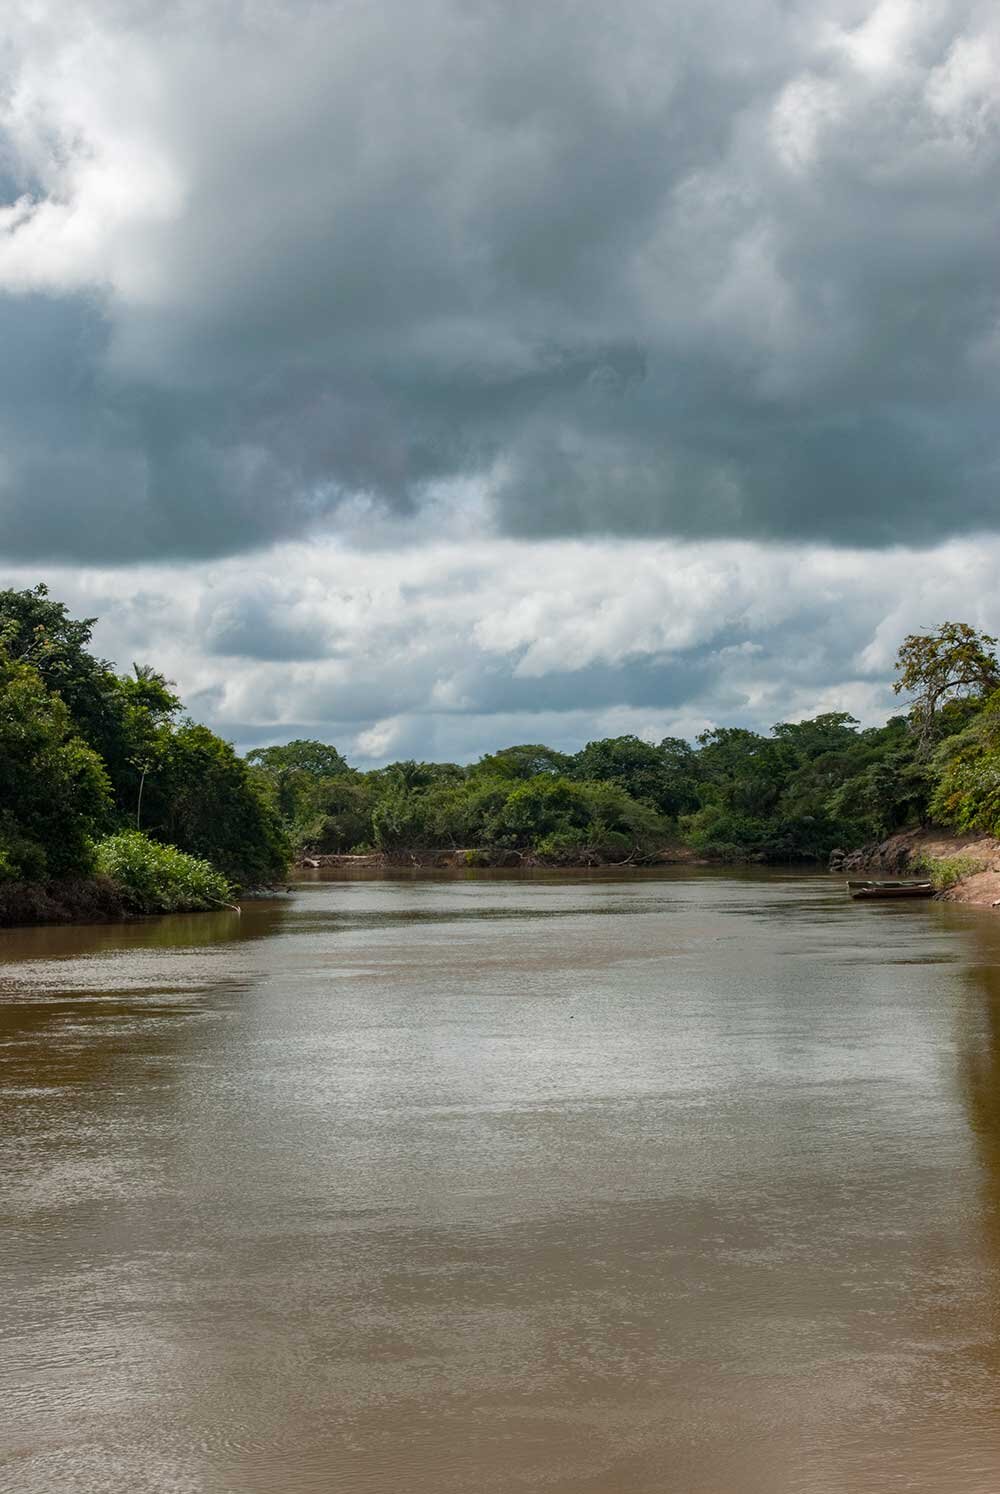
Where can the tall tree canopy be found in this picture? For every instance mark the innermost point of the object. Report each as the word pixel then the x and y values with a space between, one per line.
pixel 158 771
pixel 953 663
pixel 54 792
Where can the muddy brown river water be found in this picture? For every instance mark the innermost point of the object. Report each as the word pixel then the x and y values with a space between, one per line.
pixel 675 1184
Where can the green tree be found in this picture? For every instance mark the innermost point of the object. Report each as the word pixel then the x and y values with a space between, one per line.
pixel 303 755
pixel 290 777
pixel 399 819
pixel 967 770
pixel 950 664
pixel 664 776
pixel 413 775
pixel 832 732
pixel 562 815
pixel 523 762
pixel 337 816
pixel 204 801
pixel 123 718
pixel 37 631
pixel 742 770
pixel 54 792
pixel 536 808
pixel 142 708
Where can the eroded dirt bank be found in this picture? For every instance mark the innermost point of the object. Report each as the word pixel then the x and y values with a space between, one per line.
pixel 81 900
pixel 909 852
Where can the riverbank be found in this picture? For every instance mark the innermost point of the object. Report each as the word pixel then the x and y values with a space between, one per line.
pixel 99 899
pixel 132 877
pixel 973 860
pixel 967 865
pixel 456 858
pixel 79 900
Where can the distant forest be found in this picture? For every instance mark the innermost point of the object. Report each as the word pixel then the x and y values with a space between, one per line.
pixel 800 792
pixel 103 774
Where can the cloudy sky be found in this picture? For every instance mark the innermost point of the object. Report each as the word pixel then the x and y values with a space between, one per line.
pixel 427 375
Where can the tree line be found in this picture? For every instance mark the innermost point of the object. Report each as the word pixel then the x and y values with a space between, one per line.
pixel 102 770
pixel 796 793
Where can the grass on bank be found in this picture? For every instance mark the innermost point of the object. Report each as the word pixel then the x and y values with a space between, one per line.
pixel 946 872
pixel 156 878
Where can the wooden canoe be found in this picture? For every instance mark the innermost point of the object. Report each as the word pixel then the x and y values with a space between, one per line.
pixel 890 889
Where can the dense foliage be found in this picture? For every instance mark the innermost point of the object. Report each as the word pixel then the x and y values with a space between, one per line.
pixel 86 752
pixel 54 792
pixel 967 787
pixel 101 771
pixel 157 878
pixel 795 793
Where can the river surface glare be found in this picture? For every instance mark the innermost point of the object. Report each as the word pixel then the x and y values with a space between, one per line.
pixel 673 1184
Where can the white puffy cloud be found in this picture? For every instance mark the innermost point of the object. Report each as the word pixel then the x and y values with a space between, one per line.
pixel 450 650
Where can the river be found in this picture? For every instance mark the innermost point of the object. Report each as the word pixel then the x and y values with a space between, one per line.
pixel 684 1183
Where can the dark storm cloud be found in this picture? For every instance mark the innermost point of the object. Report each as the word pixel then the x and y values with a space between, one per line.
pixel 725 267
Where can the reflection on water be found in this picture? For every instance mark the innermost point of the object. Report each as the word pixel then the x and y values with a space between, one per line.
pixel 679 1182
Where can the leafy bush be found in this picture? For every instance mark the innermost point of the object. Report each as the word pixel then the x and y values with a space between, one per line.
pixel 155 878
pixel 564 846
pixel 21 860
pixel 718 831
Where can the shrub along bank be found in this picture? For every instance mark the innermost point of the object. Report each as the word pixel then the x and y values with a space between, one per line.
pixel 155 878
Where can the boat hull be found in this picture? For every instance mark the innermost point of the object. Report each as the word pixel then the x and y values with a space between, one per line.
pixel 863 890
